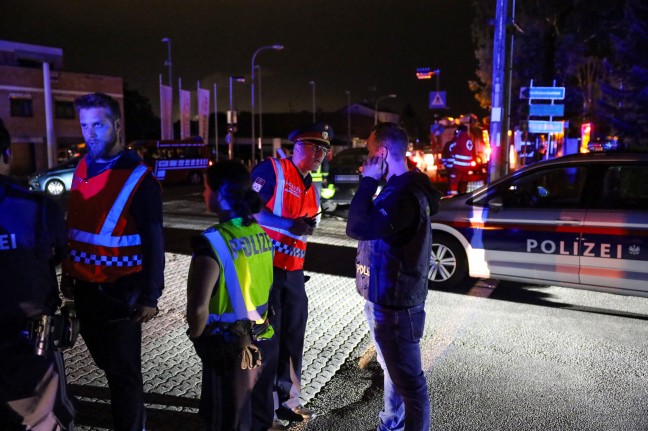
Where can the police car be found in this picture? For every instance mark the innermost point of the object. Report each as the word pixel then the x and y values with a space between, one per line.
pixel 579 221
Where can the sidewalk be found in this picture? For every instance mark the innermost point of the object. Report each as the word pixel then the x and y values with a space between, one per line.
pixel 171 369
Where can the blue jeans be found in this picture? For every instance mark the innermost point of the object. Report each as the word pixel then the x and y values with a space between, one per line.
pixel 397 334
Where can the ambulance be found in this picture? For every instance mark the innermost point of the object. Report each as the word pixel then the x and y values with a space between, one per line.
pixel 578 221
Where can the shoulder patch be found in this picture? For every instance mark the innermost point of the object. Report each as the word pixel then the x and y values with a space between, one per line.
pixel 258 184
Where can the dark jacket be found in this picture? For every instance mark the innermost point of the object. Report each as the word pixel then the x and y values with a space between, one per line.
pixel 395 239
pixel 32 243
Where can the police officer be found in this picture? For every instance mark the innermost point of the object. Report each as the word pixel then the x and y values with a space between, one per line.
pixel 462 154
pixel 285 187
pixel 115 263
pixel 33 391
pixel 227 299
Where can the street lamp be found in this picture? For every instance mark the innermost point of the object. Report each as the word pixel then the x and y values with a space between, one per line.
pixel 168 60
pixel 263 48
pixel 312 83
pixel 388 96
pixel 348 93
pixel 231 118
pixel 260 116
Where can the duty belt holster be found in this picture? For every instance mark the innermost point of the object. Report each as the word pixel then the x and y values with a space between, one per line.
pixel 54 331
pixel 222 347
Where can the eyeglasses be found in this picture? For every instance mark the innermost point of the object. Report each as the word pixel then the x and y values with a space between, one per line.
pixel 316 148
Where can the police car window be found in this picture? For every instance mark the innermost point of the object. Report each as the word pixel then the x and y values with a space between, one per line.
pixel 625 187
pixel 551 188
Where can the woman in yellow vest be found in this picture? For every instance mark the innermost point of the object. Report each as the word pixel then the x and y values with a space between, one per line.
pixel 227 304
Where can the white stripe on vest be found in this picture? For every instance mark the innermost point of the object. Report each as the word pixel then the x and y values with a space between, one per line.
pixel 231 283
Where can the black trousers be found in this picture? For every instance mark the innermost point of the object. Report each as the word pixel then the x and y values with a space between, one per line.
pixel 290 304
pixel 115 343
pixel 242 399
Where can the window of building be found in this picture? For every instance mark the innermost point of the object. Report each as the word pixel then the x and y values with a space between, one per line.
pixel 21 107
pixel 64 109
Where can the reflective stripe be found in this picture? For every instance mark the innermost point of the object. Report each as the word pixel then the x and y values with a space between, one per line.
pixel 289 250
pixel 94 259
pixel 118 206
pixel 104 240
pixel 303 238
pixel 232 282
pixel 462 160
pixel 281 183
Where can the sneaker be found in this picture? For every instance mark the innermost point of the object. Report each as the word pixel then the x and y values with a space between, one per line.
pixel 277 426
pixel 297 414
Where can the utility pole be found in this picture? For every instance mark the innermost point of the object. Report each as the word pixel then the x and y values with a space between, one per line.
pixel 498 137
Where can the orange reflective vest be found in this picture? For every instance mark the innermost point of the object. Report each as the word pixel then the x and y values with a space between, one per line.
pixel 103 241
pixel 463 152
pixel 290 200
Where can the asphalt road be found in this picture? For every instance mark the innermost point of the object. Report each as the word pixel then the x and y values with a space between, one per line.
pixel 502 356
pixel 496 356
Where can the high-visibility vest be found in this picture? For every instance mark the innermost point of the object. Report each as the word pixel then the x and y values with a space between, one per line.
pixel 463 151
pixel 290 200
pixel 318 176
pixel 244 255
pixel 103 242
pixel 446 155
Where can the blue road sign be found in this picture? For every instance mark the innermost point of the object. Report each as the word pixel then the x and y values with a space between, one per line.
pixel 546 126
pixel 547 110
pixel 437 99
pixel 544 93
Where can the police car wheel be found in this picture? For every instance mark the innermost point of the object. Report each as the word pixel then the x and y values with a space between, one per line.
pixel 448 263
pixel 55 188
pixel 328 206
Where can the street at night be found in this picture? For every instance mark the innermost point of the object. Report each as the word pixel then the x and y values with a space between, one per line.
pixel 496 356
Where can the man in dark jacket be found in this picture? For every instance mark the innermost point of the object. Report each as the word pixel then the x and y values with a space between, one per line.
pixel 391 271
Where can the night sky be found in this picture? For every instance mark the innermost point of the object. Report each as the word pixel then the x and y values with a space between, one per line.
pixel 371 48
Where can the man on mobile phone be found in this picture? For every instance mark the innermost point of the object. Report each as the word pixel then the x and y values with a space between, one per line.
pixel 392 265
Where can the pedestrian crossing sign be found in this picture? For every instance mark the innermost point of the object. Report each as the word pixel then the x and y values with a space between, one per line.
pixel 437 99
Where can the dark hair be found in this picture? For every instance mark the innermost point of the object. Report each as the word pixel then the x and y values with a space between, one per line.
pixel 99 100
pixel 391 136
pixel 5 142
pixel 462 128
pixel 232 180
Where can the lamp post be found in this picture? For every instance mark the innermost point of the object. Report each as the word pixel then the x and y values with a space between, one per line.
pixel 168 60
pixel 276 47
pixel 348 93
pixel 231 118
pixel 215 122
pixel 388 96
pixel 260 116
pixel 312 83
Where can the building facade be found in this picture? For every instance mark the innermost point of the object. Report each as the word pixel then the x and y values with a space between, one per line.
pixel 23 104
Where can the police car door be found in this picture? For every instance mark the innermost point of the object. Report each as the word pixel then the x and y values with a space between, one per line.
pixel 533 226
pixel 614 251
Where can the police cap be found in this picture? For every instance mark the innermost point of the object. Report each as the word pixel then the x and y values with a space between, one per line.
pixel 318 133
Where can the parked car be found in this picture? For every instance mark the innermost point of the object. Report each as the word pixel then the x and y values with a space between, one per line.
pixel 578 221
pixel 343 178
pixel 56 180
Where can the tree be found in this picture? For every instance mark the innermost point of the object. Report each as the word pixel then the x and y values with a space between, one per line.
pixel 139 120
pixel 624 100
pixel 563 40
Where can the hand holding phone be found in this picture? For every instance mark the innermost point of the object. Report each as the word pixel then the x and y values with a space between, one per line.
pixel 374 167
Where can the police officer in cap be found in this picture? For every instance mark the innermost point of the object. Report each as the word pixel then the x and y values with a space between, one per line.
pixel 291 203
pixel 33 392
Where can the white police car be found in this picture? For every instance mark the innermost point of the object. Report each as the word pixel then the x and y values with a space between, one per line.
pixel 578 221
